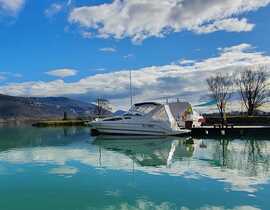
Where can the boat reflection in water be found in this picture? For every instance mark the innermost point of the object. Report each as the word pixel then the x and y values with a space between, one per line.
pixel 147 151
pixel 243 164
pixel 112 172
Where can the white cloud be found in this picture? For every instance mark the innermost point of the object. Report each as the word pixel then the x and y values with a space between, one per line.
pixel 5 75
pixel 69 2
pixel 18 75
pixel 108 49
pixel 223 208
pixel 86 34
pixel 64 170
pixel 62 73
pixel 11 7
pixel 237 48
pixel 230 24
pixel 53 9
pixel 140 19
pixel 2 77
pixel 155 82
pixel 128 56
pixel 56 8
pixel 186 62
pixel 100 69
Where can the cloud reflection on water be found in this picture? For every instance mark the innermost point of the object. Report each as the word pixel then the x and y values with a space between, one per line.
pixel 242 164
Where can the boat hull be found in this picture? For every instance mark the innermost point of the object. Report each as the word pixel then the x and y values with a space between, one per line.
pixel 134 129
pixel 96 131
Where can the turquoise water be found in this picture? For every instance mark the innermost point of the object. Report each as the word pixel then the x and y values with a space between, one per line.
pixel 66 169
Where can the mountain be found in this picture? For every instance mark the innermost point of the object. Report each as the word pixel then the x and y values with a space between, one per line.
pixel 119 113
pixel 35 108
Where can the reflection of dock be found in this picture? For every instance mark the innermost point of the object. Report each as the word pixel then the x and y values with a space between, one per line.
pixel 231 131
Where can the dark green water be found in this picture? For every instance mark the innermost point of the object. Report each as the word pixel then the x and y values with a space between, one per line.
pixel 66 169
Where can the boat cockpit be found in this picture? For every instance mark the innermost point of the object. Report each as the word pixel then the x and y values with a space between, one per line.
pixel 142 109
pixel 137 110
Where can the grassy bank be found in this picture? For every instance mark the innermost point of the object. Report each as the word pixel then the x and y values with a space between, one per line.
pixel 55 123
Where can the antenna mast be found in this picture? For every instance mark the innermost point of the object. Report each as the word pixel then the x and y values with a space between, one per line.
pixel 130 88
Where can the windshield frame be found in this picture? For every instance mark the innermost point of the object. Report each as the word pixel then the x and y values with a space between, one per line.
pixel 142 109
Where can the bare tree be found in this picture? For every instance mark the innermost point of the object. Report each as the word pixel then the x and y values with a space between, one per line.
pixel 103 107
pixel 220 87
pixel 252 84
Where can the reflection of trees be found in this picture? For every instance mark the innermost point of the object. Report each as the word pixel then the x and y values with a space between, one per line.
pixel 221 152
pixel 251 157
pixel 256 158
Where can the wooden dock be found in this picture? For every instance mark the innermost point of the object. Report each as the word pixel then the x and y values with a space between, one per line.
pixel 231 131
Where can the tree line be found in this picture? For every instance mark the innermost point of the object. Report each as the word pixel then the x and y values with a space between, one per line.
pixel 251 84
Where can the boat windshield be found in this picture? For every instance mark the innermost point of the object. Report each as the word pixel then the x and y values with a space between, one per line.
pixel 141 109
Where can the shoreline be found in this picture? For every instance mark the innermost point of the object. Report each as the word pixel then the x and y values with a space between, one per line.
pixel 56 123
pixel 44 122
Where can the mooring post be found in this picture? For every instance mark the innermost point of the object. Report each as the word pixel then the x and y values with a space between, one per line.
pixel 223 132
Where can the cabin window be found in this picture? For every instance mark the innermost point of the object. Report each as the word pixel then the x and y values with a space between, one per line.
pixel 113 119
pixel 160 115
pixel 143 109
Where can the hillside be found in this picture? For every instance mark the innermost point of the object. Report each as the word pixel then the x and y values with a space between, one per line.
pixel 119 112
pixel 35 108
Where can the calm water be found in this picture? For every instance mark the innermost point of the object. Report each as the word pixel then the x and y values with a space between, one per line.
pixel 66 169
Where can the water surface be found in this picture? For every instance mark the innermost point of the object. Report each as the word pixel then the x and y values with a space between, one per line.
pixel 66 169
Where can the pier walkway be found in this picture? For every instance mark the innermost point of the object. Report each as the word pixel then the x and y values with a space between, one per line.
pixel 231 131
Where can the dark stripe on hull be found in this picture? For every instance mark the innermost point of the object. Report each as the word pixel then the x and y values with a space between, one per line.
pixel 120 131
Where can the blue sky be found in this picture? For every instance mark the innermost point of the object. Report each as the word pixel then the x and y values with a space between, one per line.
pixel 84 48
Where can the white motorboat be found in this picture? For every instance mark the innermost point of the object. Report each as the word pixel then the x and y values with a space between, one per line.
pixel 148 118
